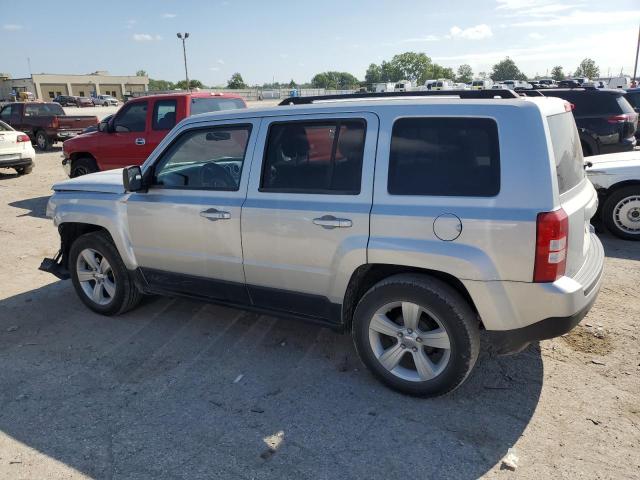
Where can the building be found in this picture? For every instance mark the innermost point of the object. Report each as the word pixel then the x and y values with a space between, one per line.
pixel 46 86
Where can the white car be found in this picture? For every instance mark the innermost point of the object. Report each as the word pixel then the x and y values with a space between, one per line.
pixel 616 177
pixel 105 100
pixel 16 150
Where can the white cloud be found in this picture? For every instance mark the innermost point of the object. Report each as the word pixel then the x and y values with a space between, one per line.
pixel 580 17
pixel 146 37
pixel 535 36
pixel 472 33
pixel 12 27
pixel 131 23
pixel 168 15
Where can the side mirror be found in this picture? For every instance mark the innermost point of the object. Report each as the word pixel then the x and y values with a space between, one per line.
pixel 132 179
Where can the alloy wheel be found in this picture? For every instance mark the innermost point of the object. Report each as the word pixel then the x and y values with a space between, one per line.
pixel 95 276
pixel 626 214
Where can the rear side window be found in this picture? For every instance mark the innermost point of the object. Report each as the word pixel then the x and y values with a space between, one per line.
pixel 314 157
pixel 164 115
pixel 205 105
pixel 132 118
pixel 444 157
pixel 567 151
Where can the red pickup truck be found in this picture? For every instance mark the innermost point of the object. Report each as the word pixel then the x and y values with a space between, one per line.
pixel 45 122
pixel 136 130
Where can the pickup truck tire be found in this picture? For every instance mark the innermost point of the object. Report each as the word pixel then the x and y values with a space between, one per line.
pixel 621 212
pixel 43 142
pixel 416 334
pixel 100 277
pixel 83 166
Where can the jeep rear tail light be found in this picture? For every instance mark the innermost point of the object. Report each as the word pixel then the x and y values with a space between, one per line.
pixel 552 230
pixel 568 107
pixel 623 117
pixel 23 138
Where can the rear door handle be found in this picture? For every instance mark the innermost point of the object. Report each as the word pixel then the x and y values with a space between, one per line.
pixel 214 214
pixel 140 141
pixel 329 222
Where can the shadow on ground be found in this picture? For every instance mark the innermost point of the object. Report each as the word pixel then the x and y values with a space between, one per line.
pixel 37 206
pixel 618 248
pixel 184 389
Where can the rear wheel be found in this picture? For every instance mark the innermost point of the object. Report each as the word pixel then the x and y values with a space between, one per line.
pixel 42 140
pixel 99 275
pixel 24 170
pixel 621 212
pixel 83 166
pixel 416 334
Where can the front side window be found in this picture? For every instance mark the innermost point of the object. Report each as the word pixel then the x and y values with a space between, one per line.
pixel 444 157
pixel 132 119
pixel 164 115
pixel 314 157
pixel 205 159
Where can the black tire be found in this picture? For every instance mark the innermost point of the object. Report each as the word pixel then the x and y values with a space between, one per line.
pixel 609 213
pixel 127 295
pixel 454 313
pixel 43 142
pixel 24 170
pixel 83 166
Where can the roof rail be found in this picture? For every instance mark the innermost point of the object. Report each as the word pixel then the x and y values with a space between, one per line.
pixel 463 94
pixel 529 92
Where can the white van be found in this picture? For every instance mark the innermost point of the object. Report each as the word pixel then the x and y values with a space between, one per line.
pixel 403 86
pixel 482 84
pixel 619 82
pixel 383 87
pixel 443 84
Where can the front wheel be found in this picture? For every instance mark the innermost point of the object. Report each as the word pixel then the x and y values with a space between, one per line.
pixel 621 212
pixel 99 275
pixel 83 166
pixel 416 334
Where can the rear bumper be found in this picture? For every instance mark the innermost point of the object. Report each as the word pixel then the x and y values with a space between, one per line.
pixel 16 162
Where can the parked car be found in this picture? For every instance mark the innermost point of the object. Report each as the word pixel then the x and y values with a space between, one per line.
pixel 137 128
pixel 403 86
pixel 548 82
pixel 426 223
pixel 516 84
pixel 105 100
pixel 45 123
pixel 443 84
pixel 569 84
pixel 482 84
pixel 84 102
pixel 16 150
pixel 633 97
pixel 616 177
pixel 605 120
pixel 66 100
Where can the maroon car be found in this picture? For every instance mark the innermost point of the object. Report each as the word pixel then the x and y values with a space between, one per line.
pixel 84 102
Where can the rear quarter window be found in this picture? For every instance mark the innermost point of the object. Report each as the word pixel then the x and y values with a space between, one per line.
pixel 567 151
pixel 444 157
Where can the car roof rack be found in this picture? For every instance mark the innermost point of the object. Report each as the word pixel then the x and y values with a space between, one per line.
pixel 463 94
pixel 529 92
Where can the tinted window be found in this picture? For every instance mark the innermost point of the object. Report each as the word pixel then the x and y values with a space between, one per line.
pixel 634 99
pixel 314 157
pixel 204 105
pixel 205 159
pixel 567 151
pixel 133 118
pixel 5 113
pixel 164 115
pixel 444 156
pixel 591 103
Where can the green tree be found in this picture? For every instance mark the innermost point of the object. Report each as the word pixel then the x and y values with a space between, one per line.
pixel 374 74
pixel 412 66
pixel 465 73
pixel 236 81
pixel 557 73
pixel 182 84
pixel 483 75
pixel 141 73
pixel 160 85
pixel 437 71
pixel 292 84
pixel 334 80
pixel 389 72
pixel 506 70
pixel 587 68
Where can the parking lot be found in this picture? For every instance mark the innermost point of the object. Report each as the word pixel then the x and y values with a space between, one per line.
pixel 183 389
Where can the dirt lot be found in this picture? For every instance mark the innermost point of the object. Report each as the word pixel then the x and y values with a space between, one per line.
pixel 180 389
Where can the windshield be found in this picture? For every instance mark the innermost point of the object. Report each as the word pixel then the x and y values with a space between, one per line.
pixel 205 105
pixel 5 127
pixel 567 151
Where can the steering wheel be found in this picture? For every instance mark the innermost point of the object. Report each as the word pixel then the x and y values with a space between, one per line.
pixel 215 176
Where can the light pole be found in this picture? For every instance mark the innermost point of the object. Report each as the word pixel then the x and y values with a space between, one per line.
pixel 184 51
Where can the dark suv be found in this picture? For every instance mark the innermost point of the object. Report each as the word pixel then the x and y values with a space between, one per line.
pixel 66 100
pixel 605 119
pixel 633 97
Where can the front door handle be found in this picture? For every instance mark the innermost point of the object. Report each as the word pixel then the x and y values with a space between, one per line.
pixel 214 214
pixel 140 141
pixel 329 222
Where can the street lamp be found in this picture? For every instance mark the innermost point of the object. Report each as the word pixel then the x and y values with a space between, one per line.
pixel 183 37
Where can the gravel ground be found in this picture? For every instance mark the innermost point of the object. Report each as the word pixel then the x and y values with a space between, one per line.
pixel 181 389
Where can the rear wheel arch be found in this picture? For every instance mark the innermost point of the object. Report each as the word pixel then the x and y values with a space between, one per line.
pixel 366 276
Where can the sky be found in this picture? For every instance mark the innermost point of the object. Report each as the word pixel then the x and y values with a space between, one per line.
pixel 266 40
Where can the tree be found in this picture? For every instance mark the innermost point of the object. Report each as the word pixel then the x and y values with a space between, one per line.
pixel 160 85
pixel 236 81
pixel 587 68
pixel 182 84
pixel 141 73
pixel 411 66
pixel 465 74
pixel 374 74
pixel 557 73
pixel 506 70
pixel 292 84
pixel 334 80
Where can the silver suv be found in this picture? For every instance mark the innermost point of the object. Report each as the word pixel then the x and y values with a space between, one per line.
pixel 412 224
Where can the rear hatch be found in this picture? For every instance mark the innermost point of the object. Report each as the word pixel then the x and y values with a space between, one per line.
pixel 577 196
